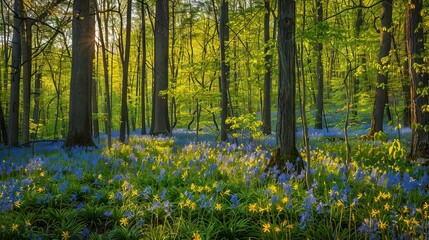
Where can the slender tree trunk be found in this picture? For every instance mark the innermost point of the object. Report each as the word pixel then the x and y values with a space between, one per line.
pixel 3 125
pixel 125 66
pixel 83 42
pixel 266 115
pixel 381 88
pixel 15 75
pixel 224 38
pixel 108 122
pixel 26 78
pixel 319 71
pixel 36 109
pixel 96 128
pixel 419 80
pixel 144 73
pixel 160 122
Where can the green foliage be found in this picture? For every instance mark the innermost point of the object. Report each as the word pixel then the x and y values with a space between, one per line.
pixel 245 126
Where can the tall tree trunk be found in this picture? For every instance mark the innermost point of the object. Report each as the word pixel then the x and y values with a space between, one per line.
pixel 15 74
pixel 95 124
pixel 26 78
pixel 108 122
pixel 125 66
pixel 2 125
pixel 83 43
pixel 381 88
pixel 36 109
pixel 160 123
pixel 266 114
pixel 286 123
pixel 224 38
pixel 319 71
pixel 419 80
pixel 144 73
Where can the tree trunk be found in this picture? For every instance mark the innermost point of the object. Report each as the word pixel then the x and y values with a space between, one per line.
pixel 144 74
pixel 286 123
pixel 266 114
pixel 36 109
pixel 319 71
pixel 224 38
pixel 94 101
pixel 381 87
pixel 125 66
pixel 108 122
pixel 15 75
pixel 160 123
pixel 26 78
pixel 419 80
pixel 83 40
pixel 3 125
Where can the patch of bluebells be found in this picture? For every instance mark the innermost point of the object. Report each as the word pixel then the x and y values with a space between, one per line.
pixel 234 201
pixel 369 228
pixel 11 193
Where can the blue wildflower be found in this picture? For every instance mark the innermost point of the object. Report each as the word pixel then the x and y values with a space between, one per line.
pixel 234 201
pixel 118 196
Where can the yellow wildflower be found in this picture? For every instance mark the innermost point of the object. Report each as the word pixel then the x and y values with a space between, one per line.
pixel 196 236
pixel 405 209
pixel 227 192
pixel 252 207
pixel 277 229
pixel 285 200
pixel 425 206
pixel 124 221
pixel 340 203
pixel 193 187
pixel 273 188
pixel 100 176
pixel 383 225
pixel 266 227
pixel 17 204
pixel 15 227
pixel 279 208
pixel 27 224
pixel 156 197
pixel 134 193
pixel 387 207
pixel 374 212
pixel 42 174
pixel 65 235
pixel 218 206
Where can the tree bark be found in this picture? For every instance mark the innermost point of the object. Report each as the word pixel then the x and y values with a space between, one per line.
pixel 224 68
pixel 419 80
pixel 160 123
pixel 125 66
pixel 144 74
pixel 83 43
pixel 15 74
pixel 266 114
pixel 381 87
pixel 3 125
pixel 286 123
pixel 319 71
pixel 26 78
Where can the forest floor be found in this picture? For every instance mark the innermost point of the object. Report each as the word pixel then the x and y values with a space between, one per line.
pixel 184 187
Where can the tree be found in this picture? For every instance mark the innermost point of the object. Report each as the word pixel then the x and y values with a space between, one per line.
pixel 319 71
pixel 15 74
pixel 419 80
pixel 381 87
pixel 266 115
pixel 286 123
pixel 83 43
pixel 224 68
pixel 160 123
pixel 125 57
pixel 3 131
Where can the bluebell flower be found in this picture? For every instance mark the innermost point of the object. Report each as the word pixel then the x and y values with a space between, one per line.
pixel 274 199
pixel 154 206
pixel 80 206
pixel 287 189
pixel 234 201
pixel 393 181
pixel 99 196
pixel 26 182
pixel 63 186
pixel 118 196
pixel 283 178
pixel 163 194
pixel 167 207
pixel 408 183
pixel 359 175
pixel 129 214
pixel 108 213
pixel 140 222
pixel 263 177
pixel 146 193
pixel 73 198
pixel 86 189
pixel 78 172
pixel 161 175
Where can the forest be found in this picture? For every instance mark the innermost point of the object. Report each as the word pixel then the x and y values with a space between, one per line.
pixel 214 119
